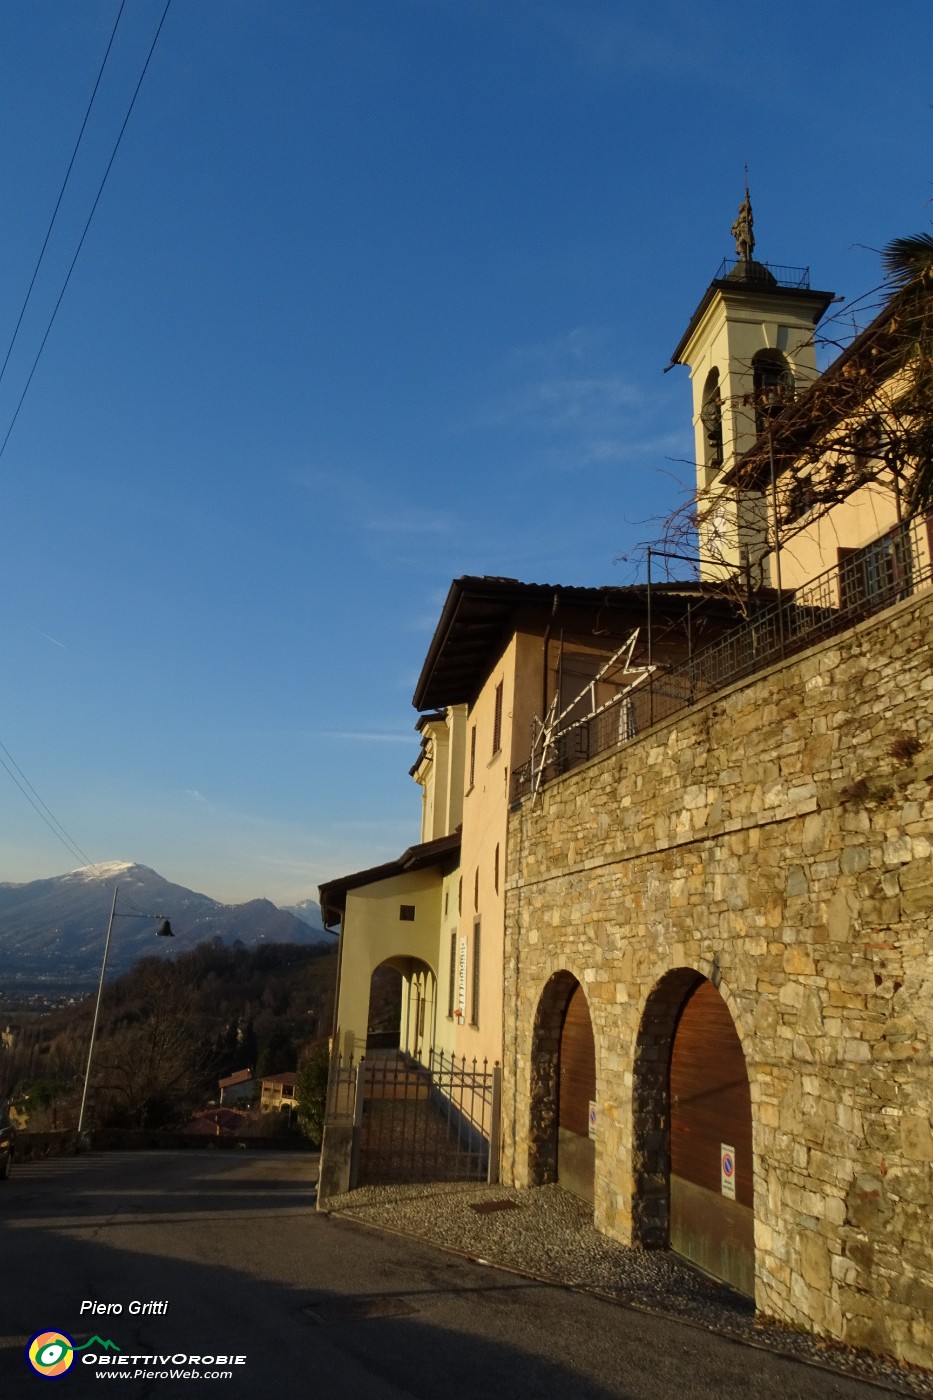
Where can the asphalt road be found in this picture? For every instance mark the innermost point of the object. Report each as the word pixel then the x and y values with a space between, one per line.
pixel 231 1243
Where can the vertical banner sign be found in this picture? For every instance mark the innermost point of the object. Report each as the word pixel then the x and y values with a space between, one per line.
pixel 592 1119
pixel 461 979
pixel 727 1170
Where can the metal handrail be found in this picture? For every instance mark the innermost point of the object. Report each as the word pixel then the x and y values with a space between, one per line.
pixel 864 583
pixel 755 271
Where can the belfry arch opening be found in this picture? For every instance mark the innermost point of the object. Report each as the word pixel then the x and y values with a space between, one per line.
pixel 773 386
pixel 693 1188
pixel 563 1089
pixel 711 417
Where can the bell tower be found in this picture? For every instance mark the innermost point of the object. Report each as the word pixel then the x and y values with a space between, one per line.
pixel 750 351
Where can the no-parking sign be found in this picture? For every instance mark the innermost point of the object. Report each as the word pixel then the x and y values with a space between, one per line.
pixel 727 1170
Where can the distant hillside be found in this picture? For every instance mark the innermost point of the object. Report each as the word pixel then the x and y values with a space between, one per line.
pixel 53 930
pixel 168 1030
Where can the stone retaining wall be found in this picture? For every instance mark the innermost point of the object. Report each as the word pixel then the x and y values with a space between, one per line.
pixel 776 839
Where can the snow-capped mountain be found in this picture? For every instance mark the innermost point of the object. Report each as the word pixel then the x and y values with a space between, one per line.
pixel 308 911
pixel 54 929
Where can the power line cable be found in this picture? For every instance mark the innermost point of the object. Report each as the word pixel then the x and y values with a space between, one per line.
pixel 87 225
pixel 61 194
pixel 45 812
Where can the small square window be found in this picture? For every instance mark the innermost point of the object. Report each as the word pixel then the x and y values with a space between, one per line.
pixel 406 913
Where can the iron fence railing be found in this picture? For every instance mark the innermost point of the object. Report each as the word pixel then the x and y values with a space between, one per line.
pixel 416 1122
pixel 865 582
pixel 755 271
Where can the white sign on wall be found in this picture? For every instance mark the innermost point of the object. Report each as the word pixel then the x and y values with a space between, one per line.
pixel 592 1118
pixel 461 980
pixel 727 1170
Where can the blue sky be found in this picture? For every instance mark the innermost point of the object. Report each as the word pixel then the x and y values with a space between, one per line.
pixel 378 292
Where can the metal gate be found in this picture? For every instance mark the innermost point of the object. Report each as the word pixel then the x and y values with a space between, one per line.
pixel 416 1122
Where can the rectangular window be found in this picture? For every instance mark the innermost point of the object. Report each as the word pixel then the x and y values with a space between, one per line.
pixel 472 754
pixel 497 722
pixel 867 442
pixel 406 913
pixel 495 870
pixel 452 989
pixel 880 573
pixel 801 498
pixel 474 999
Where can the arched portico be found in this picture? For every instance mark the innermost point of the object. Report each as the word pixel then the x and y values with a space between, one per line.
pixel 402 1007
pixel 418 1009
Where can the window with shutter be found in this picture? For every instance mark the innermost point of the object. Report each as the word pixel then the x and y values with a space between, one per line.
pixel 474 999
pixel 497 722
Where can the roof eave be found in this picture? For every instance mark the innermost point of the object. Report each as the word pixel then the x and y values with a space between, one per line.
pixel 332 895
pixel 820 301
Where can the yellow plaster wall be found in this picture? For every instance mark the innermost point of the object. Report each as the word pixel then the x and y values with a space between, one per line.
pixel 736 326
pixel 373 933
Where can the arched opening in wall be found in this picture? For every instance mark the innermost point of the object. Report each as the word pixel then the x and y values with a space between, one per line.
pixel 692 1158
pixel 773 385
pixel 402 1002
pixel 383 1019
pixel 563 1087
pixel 711 418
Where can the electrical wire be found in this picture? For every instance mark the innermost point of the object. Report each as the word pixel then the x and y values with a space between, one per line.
pixel 61 194
pixel 87 225
pixel 45 812
pixel 54 825
pixel 21 781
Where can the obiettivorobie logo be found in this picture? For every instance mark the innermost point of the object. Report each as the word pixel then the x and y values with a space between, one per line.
pixel 52 1353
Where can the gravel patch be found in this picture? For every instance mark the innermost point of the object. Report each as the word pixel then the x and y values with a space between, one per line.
pixel 551 1237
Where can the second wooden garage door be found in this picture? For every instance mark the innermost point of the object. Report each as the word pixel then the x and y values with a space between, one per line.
pixel 711 1111
pixel 576 1152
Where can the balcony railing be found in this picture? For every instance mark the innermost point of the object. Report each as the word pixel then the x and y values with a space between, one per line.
pixel 771 274
pixel 865 582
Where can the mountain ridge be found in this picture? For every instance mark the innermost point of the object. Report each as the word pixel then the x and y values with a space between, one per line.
pixel 53 929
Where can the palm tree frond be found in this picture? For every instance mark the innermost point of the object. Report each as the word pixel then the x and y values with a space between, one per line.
pixel 909 260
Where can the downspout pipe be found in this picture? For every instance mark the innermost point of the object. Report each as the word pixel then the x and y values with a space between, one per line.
pixel 334 1025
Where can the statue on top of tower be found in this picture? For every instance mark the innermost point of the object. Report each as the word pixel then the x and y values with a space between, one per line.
pixel 742 229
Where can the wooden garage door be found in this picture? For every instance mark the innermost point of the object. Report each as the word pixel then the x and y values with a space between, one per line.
pixel 576 1152
pixel 711 1111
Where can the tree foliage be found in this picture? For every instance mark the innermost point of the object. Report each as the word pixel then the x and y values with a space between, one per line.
pixel 311 1093
pixel 169 1029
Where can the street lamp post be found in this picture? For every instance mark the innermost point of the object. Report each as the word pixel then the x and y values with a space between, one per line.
pixel 163 931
